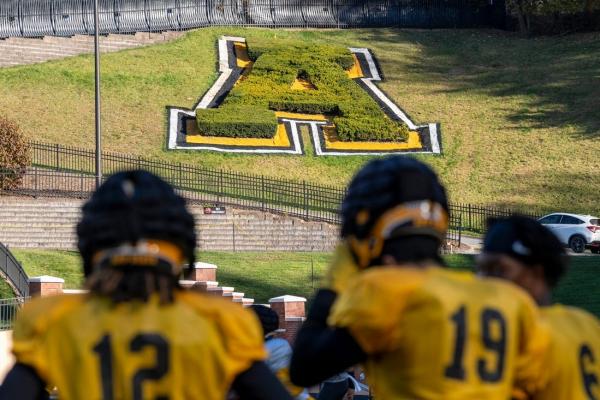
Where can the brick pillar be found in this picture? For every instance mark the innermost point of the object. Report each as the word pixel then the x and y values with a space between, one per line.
pixel 292 326
pixel 202 271
pixel 45 285
pixel 291 312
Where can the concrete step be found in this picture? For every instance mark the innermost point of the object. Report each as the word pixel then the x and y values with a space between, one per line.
pixel 246 302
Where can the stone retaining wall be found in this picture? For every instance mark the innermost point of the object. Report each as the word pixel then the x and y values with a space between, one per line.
pixel 50 224
pixel 20 51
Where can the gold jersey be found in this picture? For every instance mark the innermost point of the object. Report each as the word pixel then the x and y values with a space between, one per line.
pixel 438 334
pixel 90 348
pixel 574 355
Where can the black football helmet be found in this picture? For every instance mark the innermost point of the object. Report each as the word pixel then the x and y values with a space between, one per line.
pixel 136 219
pixel 392 197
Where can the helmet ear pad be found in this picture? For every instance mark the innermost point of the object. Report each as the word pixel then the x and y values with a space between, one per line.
pixel 131 206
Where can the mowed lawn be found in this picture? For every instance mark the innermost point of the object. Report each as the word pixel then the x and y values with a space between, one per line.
pixel 520 117
pixel 265 275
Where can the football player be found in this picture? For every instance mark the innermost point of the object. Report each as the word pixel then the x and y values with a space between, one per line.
pixel 421 331
pixel 278 349
pixel 525 252
pixel 137 334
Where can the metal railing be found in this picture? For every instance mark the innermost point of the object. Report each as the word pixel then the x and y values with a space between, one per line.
pixel 13 272
pixel 197 184
pixel 474 217
pixel 73 169
pixel 33 18
pixel 8 311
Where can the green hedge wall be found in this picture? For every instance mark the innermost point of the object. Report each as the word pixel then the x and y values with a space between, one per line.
pixel 237 121
pixel 356 115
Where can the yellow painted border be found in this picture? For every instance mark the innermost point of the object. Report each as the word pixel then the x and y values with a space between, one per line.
pixel 241 54
pixel 309 117
pixel 302 84
pixel 356 70
pixel 280 139
pixel 333 143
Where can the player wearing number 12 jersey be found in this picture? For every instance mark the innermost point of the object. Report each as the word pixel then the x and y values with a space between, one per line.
pixel 421 331
pixel 138 334
pixel 525 252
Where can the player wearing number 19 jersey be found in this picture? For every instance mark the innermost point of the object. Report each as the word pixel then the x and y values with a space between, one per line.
pixel 137 334
pixel 421 331
pixel 431 333
pixel 523 251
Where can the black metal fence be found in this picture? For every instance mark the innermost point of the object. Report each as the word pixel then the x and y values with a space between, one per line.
pixel 13 272
pixel 474 217
pixel 205 185
pixel 68 172
pixel 8 311
pixel 197 184
pixel 32 18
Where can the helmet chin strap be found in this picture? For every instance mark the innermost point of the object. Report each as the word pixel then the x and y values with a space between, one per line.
pixel 407 219
pixel 145 253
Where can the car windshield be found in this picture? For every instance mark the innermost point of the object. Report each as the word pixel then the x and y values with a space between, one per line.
pixel 595 221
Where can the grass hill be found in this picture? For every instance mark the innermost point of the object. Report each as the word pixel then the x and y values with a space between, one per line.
pixel 520 118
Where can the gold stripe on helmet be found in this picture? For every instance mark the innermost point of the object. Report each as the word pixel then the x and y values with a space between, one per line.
pixel 146 252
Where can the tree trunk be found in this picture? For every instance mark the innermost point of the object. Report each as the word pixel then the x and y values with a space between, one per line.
pixel 522 18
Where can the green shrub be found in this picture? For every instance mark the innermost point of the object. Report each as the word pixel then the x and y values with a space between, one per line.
pixel 14 155
pixel 356 115
pixel 239 121
pixel 305 107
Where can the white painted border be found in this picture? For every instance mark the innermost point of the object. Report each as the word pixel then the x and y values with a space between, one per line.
pixel 376 91
pixel 433 135
pixel 296 145
pixel 208 98
pixel 314 131
pixel 435 145
pixel 174 120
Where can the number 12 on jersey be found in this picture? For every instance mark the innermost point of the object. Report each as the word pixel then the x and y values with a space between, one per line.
pixel 161 367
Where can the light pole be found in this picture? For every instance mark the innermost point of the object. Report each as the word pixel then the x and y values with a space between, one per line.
pixel 97 83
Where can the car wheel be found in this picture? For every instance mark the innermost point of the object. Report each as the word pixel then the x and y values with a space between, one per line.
pixel 595 251
pixel 577 244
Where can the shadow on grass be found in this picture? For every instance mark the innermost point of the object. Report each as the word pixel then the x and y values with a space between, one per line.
pixel 262 289
pixel 583 183
pixel 556 80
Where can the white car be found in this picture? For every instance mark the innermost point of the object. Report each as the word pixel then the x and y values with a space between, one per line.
pixel 576 231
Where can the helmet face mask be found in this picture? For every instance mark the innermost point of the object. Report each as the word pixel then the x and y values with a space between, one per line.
pixel 135 223
pixel 416 218
pixel 392 198
pixel 146 253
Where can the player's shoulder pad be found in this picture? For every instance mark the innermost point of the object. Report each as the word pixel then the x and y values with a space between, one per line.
pixel 215 306
pixel 392 277
pixel 40 312
pixel 240 328
pixel 581 315
pixel 510 289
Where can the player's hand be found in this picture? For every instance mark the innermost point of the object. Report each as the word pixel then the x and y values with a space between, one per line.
pixel 341 270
